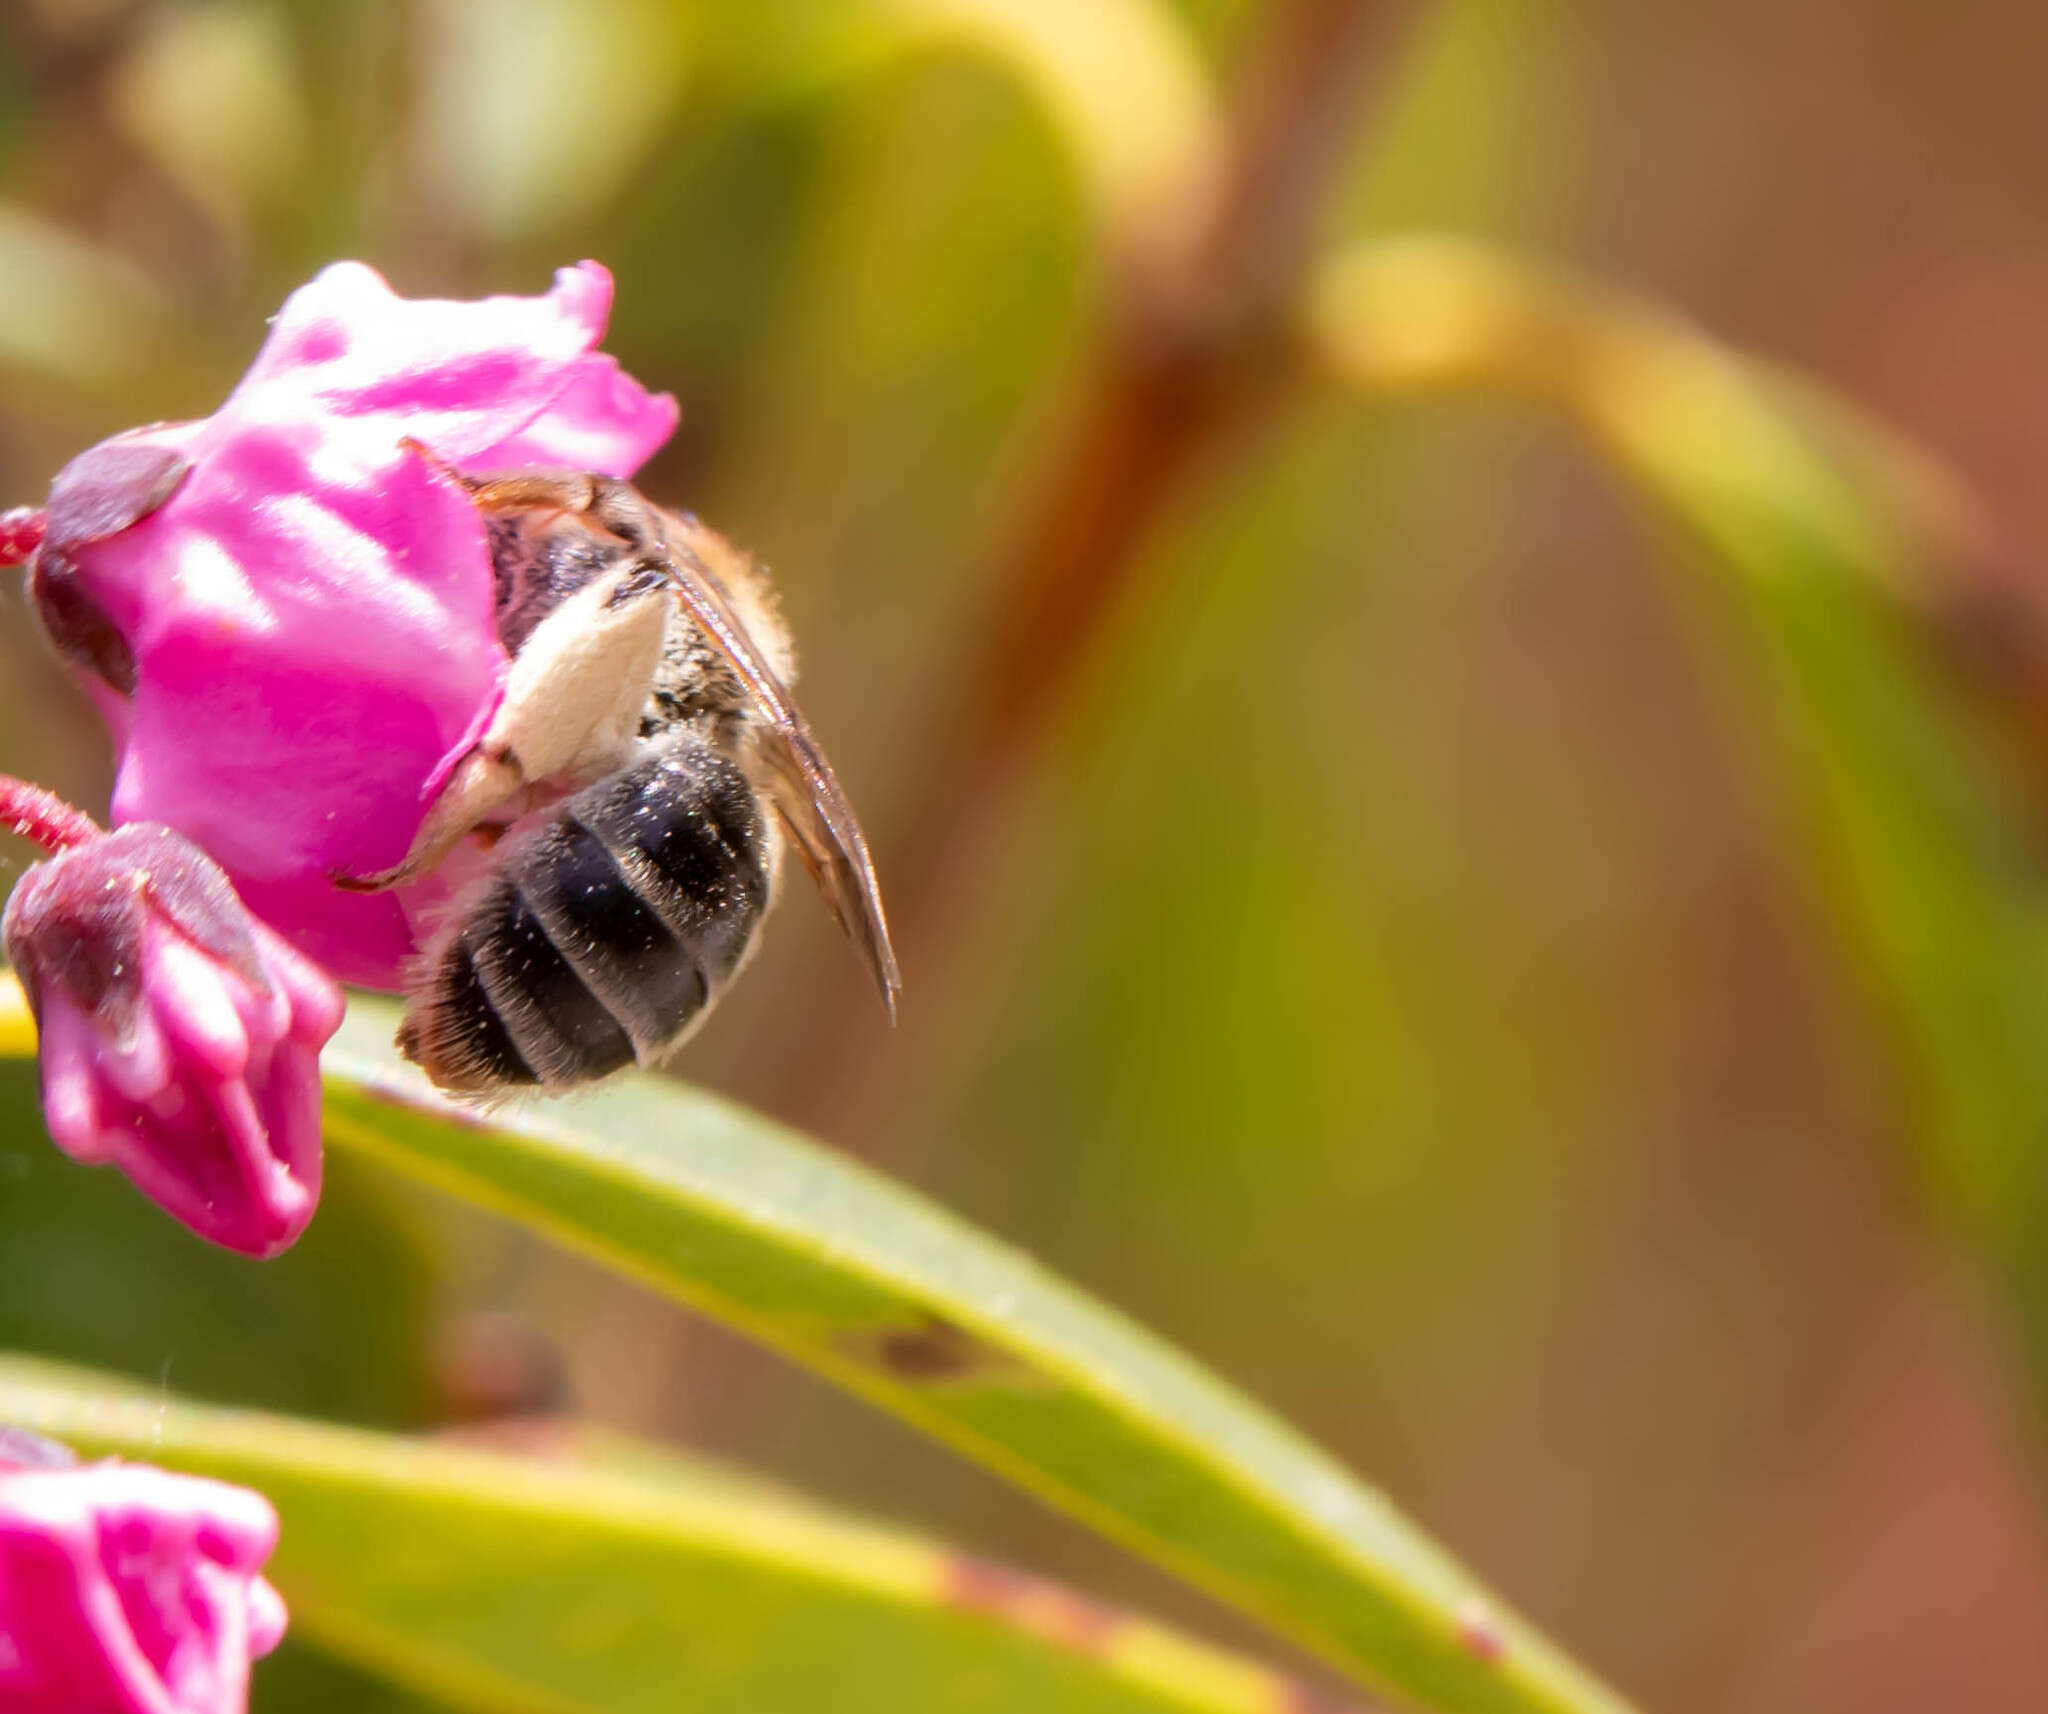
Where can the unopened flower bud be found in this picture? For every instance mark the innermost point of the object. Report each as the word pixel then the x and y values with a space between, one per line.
pixel 180 1038
pixel 129 1590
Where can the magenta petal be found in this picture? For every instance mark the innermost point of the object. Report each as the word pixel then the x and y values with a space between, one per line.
pixel 68 1049
pixel 460 376
pixel 332 640
pixel 180 1039
pixel 267 1619
pixel 128 1590
pixel 363 939
pixel 292 645
pixel 604 421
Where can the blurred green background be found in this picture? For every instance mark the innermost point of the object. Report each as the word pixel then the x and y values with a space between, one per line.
pixel 1352 918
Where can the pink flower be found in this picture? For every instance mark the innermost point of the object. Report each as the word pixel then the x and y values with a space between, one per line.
pixel 128 1590
pixel 286 614
pixel 180 1039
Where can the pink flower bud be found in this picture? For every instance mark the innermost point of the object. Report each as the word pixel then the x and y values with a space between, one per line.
pixel 286 611
pixel 180 1038
pixel 128 1590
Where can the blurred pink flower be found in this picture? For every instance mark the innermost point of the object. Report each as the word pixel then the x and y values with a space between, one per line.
pixel 180 1039
pixel 286 613
pixel 128 1590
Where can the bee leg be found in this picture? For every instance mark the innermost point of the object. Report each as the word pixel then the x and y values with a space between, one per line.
pixel 570 712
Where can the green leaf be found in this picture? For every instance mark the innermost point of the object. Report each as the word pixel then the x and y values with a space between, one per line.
pixel 91 1273
pixel 511 1584
pixel 885 1294
pixel 879 1291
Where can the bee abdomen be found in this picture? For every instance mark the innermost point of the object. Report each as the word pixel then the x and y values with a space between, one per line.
pixel 687 832
pixel 605 933
pixel 610 936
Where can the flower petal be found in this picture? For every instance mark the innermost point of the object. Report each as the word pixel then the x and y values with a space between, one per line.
pixel 180 1038
pixel 128 1590
pixel 330 641
pixel 292 645
pixel 460 376
pixel 604 420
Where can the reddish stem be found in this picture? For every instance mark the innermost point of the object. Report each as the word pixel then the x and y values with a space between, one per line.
pixel 21 533
pixel 43 816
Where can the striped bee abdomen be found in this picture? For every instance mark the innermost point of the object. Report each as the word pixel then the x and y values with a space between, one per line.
pixel 603 933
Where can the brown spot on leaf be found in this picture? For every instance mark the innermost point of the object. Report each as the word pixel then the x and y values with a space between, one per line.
pixel 1480 1633
pixel 932 1352
pixel 1031 1604
pixel 1297 1697
pixel 1059 1616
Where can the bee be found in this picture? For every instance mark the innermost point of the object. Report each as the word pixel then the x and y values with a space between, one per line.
pixel 651 766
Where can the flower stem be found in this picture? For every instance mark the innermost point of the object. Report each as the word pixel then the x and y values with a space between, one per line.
pixel 21 533
pixel 43 816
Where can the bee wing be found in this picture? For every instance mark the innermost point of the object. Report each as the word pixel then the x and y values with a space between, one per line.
pixel 800 783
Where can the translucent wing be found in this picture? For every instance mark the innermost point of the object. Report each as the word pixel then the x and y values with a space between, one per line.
pixel 800 783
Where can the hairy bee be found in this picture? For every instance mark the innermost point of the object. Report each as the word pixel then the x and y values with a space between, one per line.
pixel 648 747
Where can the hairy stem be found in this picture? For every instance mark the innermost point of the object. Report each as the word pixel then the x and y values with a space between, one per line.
pixel 42 816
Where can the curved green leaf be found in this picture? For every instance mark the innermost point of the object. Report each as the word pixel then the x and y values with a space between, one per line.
pixel 510 1584
pixel 885 1294
pixel 92 1274
pixel 879 1291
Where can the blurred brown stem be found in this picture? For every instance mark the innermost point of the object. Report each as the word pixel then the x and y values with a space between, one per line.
pixel 1192 346
pixel 1195 344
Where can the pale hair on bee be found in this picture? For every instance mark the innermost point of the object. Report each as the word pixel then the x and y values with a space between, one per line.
pixel 650 751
